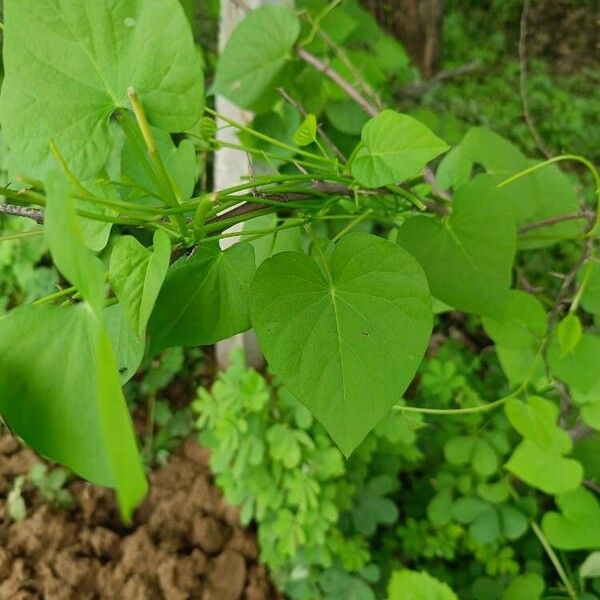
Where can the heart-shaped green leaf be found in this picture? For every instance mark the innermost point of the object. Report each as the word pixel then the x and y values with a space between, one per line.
pixel 255 54
pixel 578 527
pixel 394 148
pixel 543 194
pixel 536 421
pixel 68 404
pixel 467 256
pixel 307 132
pixel 345 333
pixel 547 471
pixel 519 333
pixel 69 65
pixel 204 298
pixel 136 275
pixel 522 324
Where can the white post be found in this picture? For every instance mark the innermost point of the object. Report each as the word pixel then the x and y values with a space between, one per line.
pixel 231 165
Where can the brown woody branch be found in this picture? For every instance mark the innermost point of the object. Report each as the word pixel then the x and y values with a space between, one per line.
pixel 324 68
pixel 250 207
pixel 21 211
pixel 585 214
pixel 418 89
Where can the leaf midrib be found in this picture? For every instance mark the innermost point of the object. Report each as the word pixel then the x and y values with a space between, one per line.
pixel 84 49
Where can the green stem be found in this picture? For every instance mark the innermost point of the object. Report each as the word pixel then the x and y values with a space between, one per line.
pixel 191 206
pixel 315 23
pixel 134 186
pixel 263 180
pixel 255 233
pixel 277 183
pixel 268 139
pixel 37 199
pixel 125 207
pixel 352 225
pixel 553 559
pixel 407 196
pixel 56 296
pixel 18 236
pixel 132 133
pixel 226 223
pixel 454 411
pixel 280 203
pixel 574 157
pixel 263 153
pixel 12 194
pixel 317 245
pixel 173 196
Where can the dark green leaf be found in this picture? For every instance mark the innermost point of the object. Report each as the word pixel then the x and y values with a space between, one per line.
pixel 204 298
pixel 438 509
pixel 513 521
pixel 543 194
pixel 255 54
pixel 467 256
pixel 346 333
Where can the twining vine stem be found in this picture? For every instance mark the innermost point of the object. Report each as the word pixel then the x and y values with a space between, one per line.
pixel 523 83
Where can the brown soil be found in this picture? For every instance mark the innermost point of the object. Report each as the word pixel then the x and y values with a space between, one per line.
pixel 186 543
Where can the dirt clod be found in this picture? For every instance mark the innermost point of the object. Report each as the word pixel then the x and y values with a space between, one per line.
pixel 227 578
pixel 186 542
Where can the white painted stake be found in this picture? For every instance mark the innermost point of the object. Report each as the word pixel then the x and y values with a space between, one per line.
pixel 230 166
